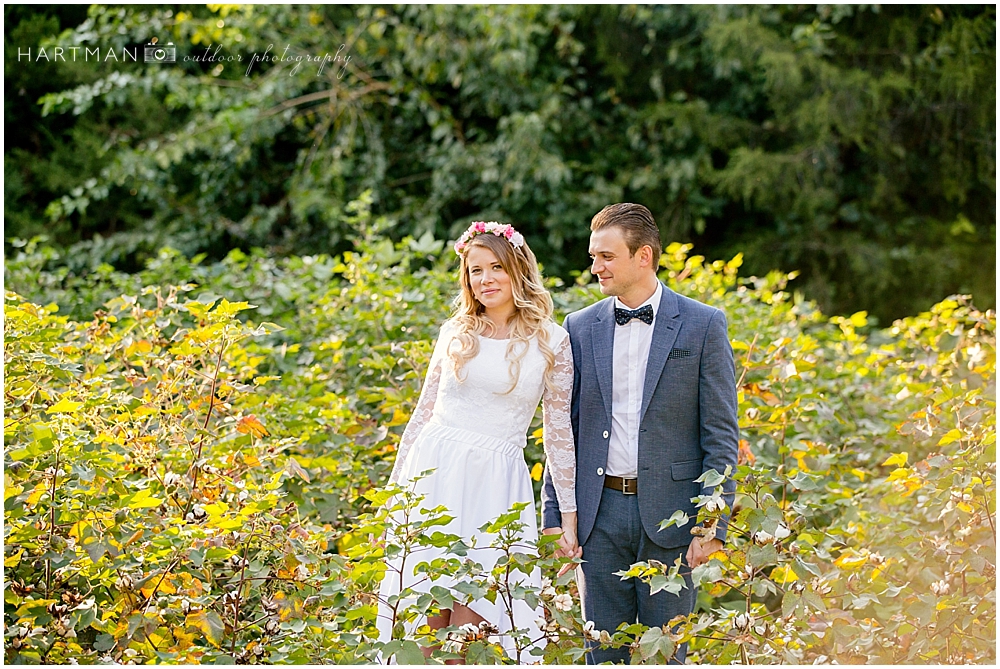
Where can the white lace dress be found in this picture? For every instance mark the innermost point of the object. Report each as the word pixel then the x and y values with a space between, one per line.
pixel 472 434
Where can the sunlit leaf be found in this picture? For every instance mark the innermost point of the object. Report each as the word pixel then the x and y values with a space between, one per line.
pixel 950 437
pixel 209 624
pixel 251 425
pixel 64 405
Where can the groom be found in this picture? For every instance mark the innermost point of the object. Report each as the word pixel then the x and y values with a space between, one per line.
pixel 654 406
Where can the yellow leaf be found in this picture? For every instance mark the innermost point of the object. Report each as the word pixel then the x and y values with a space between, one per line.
pixel 225 523
pixel 250 425
pixel 37 493
pixel 289 606
pixel 78 529
pixel 14 559
pixel 799 455
pixel 143 500
pixel 108 438
pixel 349 541
pixel 182 638
pixel 216 508
pixel 899 459
pixel 11 490
pixel 941 606
pixel 209 624
pixel 880 569
pixel 251 460
pixel 141 347
pixel 536 471
pixel 185 348
pixel 719 555
pixel 851 560
pixel 898 474
pixel 965 507
pixel 860 473
pixel 165 586
pixel 783 575
pixel 64 406
pixel 951 436
pixel 860 319
pixel 398 418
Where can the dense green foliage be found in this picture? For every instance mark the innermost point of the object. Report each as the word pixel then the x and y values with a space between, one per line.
pixel 193 455
pixel 854 144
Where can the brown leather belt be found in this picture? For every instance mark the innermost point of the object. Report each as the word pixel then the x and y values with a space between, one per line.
pixel 627 486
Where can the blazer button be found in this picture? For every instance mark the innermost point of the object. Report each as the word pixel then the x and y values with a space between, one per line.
pixel 605 434
pixel 600 471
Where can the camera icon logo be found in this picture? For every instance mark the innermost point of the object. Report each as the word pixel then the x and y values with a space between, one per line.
pixel 153 53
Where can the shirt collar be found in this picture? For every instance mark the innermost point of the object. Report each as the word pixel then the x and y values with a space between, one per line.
pixel 654 300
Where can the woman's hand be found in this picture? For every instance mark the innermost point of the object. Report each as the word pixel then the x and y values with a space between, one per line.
pixel 568 546
pixel 568 541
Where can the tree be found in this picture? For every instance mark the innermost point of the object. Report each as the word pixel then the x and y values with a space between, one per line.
pixel 853 144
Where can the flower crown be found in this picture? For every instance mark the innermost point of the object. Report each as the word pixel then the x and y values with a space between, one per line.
pixel 504 230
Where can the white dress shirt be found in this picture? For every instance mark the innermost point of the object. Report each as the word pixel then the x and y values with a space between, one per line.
pixel 631 353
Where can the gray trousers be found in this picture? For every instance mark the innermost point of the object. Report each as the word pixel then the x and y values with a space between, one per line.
pixel 617 541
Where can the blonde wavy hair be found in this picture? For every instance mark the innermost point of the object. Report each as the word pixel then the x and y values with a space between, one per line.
pixel 532 309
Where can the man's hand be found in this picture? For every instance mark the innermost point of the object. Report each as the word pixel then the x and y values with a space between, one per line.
pixel 700 549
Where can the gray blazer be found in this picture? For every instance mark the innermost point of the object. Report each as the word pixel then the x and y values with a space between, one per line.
pixel 688 421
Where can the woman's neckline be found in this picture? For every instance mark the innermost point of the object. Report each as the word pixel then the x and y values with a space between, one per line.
pixel 482 336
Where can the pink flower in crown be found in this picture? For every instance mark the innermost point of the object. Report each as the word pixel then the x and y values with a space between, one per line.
pixel 504 230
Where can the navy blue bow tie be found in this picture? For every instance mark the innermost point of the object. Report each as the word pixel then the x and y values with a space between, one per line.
pixel 644 314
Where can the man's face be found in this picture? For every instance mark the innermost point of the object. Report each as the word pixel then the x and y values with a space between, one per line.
pixel 611 263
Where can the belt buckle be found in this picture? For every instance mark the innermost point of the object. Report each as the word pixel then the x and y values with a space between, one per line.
pixel 630 486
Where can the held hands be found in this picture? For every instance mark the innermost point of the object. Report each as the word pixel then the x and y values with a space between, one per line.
pixel 567 543
pixel 700 550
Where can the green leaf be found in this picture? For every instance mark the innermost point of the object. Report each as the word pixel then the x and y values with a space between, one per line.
pixel 679 519
pixel 410 653
pixel 788 603
pixel 95 548
pixel 649 642
pixel 665 647
pixel 480 652
pixel 710 479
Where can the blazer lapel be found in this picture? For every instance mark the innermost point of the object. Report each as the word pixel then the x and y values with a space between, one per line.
pixel 602 334
pixel 665 329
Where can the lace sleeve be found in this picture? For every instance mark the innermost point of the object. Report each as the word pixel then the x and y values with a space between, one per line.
pixel 558 436
pixel 425 404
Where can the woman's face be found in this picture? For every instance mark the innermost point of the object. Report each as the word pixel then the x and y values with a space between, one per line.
pixel 490 283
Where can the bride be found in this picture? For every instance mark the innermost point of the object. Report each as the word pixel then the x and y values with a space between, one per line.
pixel 494 359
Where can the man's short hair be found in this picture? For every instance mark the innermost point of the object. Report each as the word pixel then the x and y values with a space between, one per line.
pixel 637 226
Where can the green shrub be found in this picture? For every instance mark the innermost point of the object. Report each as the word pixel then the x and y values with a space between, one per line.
pixel 185 482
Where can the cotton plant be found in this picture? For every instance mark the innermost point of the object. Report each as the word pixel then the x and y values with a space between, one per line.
pixel 404 530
